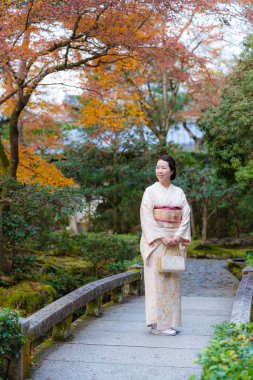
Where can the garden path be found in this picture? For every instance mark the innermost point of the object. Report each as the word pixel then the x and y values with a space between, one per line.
pixel 120 347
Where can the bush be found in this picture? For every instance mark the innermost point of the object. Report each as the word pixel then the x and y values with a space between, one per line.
pixel 64 282
pixel 23 267
pixel 100 249
pixel 11 339
pixel 33 211
pixel 122 266
pixel 229 355
pixel 249 258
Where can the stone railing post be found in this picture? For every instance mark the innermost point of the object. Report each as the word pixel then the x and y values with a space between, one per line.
pixel 61 331
pixel 94 308
pixel 119 294
pixel 19 367
pixel 137 287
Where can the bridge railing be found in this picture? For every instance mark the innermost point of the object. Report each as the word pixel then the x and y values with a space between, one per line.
pixel 55 319
pixel 242 308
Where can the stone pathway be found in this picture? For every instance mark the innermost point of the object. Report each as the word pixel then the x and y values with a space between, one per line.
pixel 120 347
pixel 205 277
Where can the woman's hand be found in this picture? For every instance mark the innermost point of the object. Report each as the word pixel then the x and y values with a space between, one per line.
pixel 166 241
pixel 171 242
pixel 175 240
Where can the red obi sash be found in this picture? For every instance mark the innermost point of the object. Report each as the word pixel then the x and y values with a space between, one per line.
pixel 171 216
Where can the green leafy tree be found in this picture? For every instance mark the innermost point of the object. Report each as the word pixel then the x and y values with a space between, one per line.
pixel 33 211
pixel 112 175
pixel 229 127
pixel 205 191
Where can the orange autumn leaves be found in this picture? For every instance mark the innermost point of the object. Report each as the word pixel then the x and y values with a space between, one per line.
pixel 33 169
pixel 115 104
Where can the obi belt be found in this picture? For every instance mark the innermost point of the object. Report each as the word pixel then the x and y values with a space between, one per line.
pixel 168 216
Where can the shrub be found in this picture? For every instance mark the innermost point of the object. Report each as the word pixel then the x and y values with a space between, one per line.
pixel 11 339
pixel 229 355
pixel 249 258
pixel 64 282
pixel 123 266
pixel 23 267
pixel 33 211
pixel 100 249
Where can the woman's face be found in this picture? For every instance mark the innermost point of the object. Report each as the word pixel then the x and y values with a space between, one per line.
pixel 163 171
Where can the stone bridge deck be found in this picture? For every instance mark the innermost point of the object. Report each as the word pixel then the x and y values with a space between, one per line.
pixel 120 347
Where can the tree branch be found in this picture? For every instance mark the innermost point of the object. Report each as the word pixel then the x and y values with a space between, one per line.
pixel 70 85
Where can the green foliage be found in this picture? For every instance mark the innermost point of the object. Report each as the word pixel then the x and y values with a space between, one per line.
pixel 11 338
pixel 31 211
pixel 100 249
pixel 62 281
pixel 249 258
pixel 74 260
pixel 124 265
pixel 229 127
pixel 115 173
pixel 229 354
pixel 23 265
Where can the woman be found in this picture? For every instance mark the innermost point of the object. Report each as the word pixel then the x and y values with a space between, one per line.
pixel 165 222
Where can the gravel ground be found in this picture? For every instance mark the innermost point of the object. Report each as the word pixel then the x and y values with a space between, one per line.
pixel 208 278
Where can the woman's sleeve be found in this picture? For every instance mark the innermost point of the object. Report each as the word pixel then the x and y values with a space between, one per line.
pixel 149 226
pixel 184 230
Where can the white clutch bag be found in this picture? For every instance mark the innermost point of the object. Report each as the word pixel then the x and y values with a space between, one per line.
pixel 170 264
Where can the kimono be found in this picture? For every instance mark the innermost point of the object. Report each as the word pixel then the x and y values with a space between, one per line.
pixel 164 212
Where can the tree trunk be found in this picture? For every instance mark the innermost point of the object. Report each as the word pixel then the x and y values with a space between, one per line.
pixel 193 226
pixel 199 141
pixel 14 138
pixel 115 201
pixel 162 139
pixel 89 215
pixel 204 221
pixel 14 133
pixel 115 218
pixel 11 169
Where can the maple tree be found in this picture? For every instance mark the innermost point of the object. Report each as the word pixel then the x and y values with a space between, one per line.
pixel 160 85
pixel 33 169
pixel 39 39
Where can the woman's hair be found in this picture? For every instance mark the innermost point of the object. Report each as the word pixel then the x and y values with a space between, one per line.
pixel 172 164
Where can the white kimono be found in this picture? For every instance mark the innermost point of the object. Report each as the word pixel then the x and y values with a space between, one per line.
pixel 162 290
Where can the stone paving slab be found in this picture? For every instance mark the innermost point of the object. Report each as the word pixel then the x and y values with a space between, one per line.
pixel 120 338
pixel 138 317
pixel 128 327
pixel 120 347
pixel 173 357
pixel 139 301
pixel 110 371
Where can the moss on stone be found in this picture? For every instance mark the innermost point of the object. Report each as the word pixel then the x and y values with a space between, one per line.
pixel 213 251
pixel 27 297
pixel 235 269
pixel 73 265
